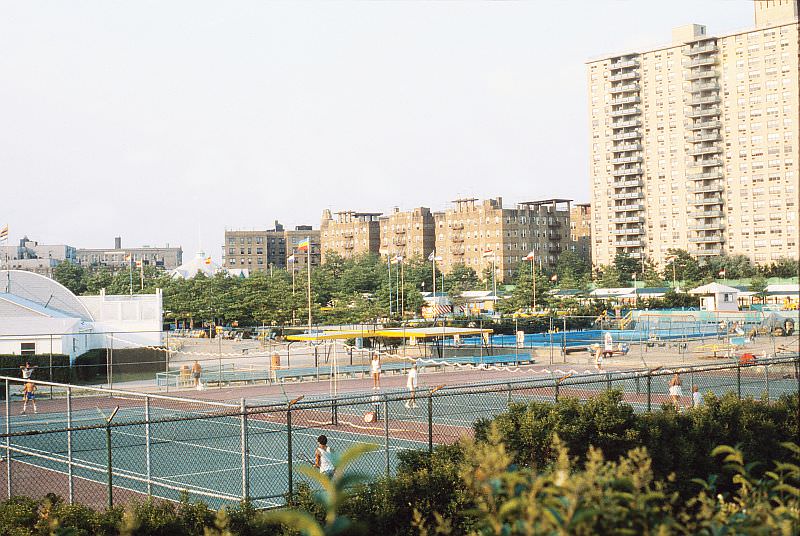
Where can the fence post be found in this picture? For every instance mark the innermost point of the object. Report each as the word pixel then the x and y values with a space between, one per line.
pixel 508 401
pixel 766 379
pixel 8 440
pixel 739 381
pixel 245 453
pixel 649 391
pixel 558 383
pixel 289 452
pixel 70 480
pixel 430 422
pixel 386 432
pixel 608 381
pixel 109 466
pixel 147 459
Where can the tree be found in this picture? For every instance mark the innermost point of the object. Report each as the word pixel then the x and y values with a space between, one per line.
pixel 682 267
pixel 735 266
pixel 783 267
pixel 609 276
pixel 572 270
pixel 71 276
pixel 758 284
pixel 626 266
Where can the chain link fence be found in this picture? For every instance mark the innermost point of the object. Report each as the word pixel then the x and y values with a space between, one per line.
pixel 101 446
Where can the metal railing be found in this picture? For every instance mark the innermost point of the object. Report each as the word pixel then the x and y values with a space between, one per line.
pixel 96 446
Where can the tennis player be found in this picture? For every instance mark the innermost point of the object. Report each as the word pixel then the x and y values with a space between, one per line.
pixel 411 384
pixel 27 370
pixel 28 394
pixel 375 366
pixel 323 457
pixel 197 370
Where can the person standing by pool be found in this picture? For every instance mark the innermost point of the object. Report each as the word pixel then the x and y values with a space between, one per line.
pixel 29 394
pixel 411 384
pixel 375 366
pixel 676 391
pixel 608 344
pixel 197 371
pixel 322 457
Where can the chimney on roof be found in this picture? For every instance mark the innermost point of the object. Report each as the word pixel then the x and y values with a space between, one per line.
pixel 117 242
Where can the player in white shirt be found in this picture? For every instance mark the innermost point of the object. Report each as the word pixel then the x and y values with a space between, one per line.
pixel 411 384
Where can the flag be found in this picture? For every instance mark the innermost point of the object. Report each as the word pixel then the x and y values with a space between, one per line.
pixel 207 260
pixel 397 259
pixel 432 256
pixel 303 245
pixel 139 264
pixel 4 232
pixel 722 273
pixel 529 256
pixel 554 278
pixel 128 257
pixel 488 253
pixel 290 258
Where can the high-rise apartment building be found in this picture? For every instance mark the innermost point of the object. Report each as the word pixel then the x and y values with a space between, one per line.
pixel 580 230
pixel 474 234
pixel 408 234
pixel 350 233
pixel 694 145
pixel 260 250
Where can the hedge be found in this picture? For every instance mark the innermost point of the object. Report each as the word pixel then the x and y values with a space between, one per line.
pixel 9 366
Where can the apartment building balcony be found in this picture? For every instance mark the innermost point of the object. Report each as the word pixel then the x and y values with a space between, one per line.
pixel 707 239
pixel 347 234
pixel 632 110
pixel 627 75
pixel 705 149
pixel 553 223
pixel 718 226
pixel 554 248
pixel 628 183
pixel 400 231
pixel 627 123
pixel 706 189
pixel 627 160
pixel 457 238
pixel 714 136
pixel 703 112
pixel 457 250
pixel 700 74
pixel 624 64
pixel 693 50
pixel 626 147
pixel 626 100
pixel 634 254
pixel 706 252
pixel 628 195
pixel 399 241
pixel 707 201
pixel 628 244
pixel 630 231
pixel 704 86
pixel 633 135
pixel 706 175
pixel 624 88
pixel 698 101
pixel 627 171
pixel 349 245
pixel 706 214
pixel 457 225
pixel 699 62
pixel 634 207
pixel 700 125
pixel 628 219
pixel 707 162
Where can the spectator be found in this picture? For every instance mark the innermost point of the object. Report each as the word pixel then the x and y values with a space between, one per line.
pixel 197 371
pixel 697 397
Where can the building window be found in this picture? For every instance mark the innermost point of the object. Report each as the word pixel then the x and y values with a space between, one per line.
pixel 27 348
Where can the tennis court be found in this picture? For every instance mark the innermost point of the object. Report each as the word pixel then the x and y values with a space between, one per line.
pixel 223 451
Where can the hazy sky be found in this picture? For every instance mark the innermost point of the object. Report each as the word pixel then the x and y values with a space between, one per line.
pixel 166 122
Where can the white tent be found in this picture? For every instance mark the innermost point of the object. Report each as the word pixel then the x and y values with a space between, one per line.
pixel 206 266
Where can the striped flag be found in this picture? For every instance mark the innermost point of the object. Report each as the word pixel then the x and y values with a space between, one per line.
pixel 4 232
pixel 397 259
pixel 290 258
pixel 488 253
pixel 207 260
pixel 304 244
pixel 529 256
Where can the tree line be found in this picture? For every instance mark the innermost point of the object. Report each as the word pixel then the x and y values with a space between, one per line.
pixel 365 288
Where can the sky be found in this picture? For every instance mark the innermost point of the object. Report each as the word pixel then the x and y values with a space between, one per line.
pixel 170 121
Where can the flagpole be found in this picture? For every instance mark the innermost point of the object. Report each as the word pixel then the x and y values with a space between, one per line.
pixel 308 261
pixel 389 267
pixel 433 262
pixel 533 279
pixel 130 273
pixel 402 289
pixel 494 279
